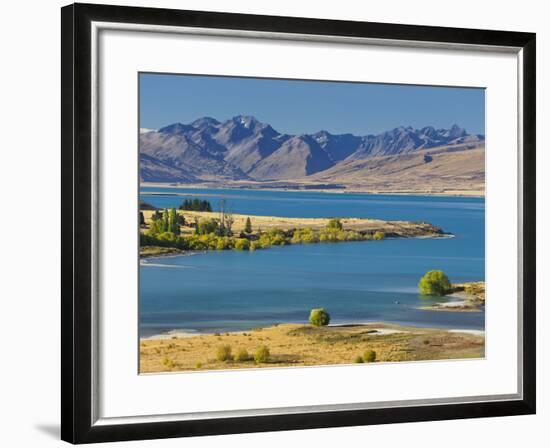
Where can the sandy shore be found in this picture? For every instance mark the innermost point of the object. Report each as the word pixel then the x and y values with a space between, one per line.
pixel 191 334
pixel 463 306
pixel 467 297
pixel 293 345
pixel 465 331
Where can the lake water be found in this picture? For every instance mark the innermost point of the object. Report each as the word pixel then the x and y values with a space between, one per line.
pixel 356 281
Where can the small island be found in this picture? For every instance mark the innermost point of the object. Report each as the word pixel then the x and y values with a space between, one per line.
pixel 195 227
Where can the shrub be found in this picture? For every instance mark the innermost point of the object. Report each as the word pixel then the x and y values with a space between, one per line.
pixel 224 353
pixel 275 232
pixel 319 317
pixel 261 355
pixel 168 363
pixel 369 356
pixel 223 243
pixel 206 226
pixel 434 283
pixel 242 355
pixel 335 224
pixel 358 360
pixel 309 236
pixel 255 245
pixel 265 241
pixel 278 240
pixel 242 244
pixel 198 365
pixel 378 236
pixel 168 237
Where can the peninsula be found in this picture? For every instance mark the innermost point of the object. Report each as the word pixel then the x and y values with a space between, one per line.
pixel 168 232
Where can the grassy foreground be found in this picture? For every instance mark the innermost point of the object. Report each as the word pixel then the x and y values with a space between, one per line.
pixel 293 345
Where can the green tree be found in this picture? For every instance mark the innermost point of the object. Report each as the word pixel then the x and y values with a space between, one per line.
pixel 434 283
pixel 206 226
pixel 319 317
pixel 335 224
pixel 156 227
pixel 173 224
pixel 145 206
pixel 248 226
pixel 229 220
pixel 165 221
pixel 181 220
pixel 196 205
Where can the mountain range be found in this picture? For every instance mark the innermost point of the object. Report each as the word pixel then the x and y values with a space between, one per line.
pixel 245 149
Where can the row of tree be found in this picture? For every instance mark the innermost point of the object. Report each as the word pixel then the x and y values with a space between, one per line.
pixel 196 205
pixel 170 220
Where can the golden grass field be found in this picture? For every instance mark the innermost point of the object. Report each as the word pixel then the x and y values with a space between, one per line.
pixel 294 345
pixel 264 223
pixel 450 173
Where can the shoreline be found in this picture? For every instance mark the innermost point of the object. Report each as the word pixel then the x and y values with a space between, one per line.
pixel 470 298
pixel 472 194
pixel 300 345
pixel 143 258
pixel 374 328
pixel 187 253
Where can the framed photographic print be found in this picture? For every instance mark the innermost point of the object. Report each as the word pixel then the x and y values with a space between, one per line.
pixel 275 223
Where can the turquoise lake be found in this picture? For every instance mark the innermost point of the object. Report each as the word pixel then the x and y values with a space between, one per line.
pixel 356 281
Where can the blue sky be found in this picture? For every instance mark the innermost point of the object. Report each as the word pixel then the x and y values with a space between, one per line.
pixel 300 107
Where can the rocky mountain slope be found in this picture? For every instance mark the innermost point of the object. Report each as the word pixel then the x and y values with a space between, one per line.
pixel 246 150
pixel 458 169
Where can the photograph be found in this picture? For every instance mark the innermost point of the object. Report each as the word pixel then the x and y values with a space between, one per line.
pixel 288 223
pixel 275 224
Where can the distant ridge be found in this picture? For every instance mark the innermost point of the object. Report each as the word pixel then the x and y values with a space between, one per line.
pixel 245 149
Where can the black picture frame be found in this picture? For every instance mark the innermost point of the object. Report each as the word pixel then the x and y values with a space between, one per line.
pixel 76 279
